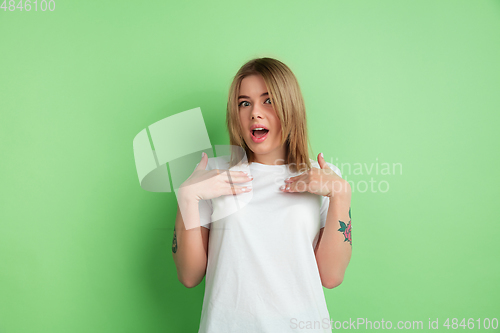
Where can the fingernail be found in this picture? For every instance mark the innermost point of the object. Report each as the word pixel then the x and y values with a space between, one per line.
pixel 202 154
pixel 321 154
pixel 282 187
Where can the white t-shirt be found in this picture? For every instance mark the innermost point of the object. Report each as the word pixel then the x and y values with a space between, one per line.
pixel 262 274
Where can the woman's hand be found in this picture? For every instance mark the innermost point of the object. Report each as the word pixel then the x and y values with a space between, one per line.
pixel 322 181
pixel 208 184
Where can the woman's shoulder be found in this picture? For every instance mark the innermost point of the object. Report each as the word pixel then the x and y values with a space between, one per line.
pixel 220 162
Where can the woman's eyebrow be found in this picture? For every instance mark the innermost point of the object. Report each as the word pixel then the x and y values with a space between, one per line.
pixel 243 96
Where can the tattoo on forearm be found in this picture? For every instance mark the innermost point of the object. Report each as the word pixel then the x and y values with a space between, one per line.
pixel 174 243
pixel 346 229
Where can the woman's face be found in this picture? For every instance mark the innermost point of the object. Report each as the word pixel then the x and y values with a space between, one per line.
pixel 256 110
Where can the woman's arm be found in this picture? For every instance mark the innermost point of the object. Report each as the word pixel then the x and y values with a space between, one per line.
pixel 334 246
pixel 190 247
pixel 333 249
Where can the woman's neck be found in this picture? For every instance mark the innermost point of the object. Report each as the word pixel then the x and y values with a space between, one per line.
pixel 268 159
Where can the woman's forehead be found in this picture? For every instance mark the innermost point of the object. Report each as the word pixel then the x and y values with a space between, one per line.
pixel 253 86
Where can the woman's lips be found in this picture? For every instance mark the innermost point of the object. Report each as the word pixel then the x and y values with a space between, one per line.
pixel 258 140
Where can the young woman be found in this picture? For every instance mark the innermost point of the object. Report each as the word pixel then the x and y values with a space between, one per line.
pixel 266 263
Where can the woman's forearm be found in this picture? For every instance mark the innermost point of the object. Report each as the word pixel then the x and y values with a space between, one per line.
pixel 333 252
pixel 188 248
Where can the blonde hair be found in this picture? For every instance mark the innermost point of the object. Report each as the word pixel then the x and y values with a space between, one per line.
pixel 288 103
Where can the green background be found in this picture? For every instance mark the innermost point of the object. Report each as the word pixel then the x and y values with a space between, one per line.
pixel 84 249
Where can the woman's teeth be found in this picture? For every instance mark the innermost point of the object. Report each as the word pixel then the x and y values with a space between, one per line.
pixel 259 132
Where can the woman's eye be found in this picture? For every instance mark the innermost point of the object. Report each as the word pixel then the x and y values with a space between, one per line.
pixel 241 103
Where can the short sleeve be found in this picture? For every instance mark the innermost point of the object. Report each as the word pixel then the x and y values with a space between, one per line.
pixel 206 210
pixel 325 201
pixel 205 207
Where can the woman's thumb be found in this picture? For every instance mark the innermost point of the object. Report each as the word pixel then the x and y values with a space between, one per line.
pixel 322 163
pixel 203 163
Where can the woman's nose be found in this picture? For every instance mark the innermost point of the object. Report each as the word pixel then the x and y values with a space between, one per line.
pixel 256 112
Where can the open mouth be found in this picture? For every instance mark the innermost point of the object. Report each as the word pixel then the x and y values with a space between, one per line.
pixel 259 133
